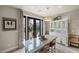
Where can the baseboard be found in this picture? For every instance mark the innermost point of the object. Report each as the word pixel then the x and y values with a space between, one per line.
pixel 9 49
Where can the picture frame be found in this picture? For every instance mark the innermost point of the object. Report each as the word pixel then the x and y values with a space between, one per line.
pixel 9 23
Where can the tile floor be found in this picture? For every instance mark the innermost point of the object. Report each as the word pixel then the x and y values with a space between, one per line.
pixel 59 49
pixel 64 49
pixel 20 51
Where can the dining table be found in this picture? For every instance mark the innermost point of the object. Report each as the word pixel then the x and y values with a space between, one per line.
pixel 34 45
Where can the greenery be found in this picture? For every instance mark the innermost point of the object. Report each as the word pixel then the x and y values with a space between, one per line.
pixel 30 29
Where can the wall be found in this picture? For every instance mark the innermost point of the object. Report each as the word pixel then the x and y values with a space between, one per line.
pixel 73 21
pixel 46 25
pixel 8 39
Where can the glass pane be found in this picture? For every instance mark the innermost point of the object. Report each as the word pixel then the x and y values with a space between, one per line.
pixel 30 28
pixel 38 28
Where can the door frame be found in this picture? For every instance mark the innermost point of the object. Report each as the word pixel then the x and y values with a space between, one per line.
pixel 25 27
pixel 34 19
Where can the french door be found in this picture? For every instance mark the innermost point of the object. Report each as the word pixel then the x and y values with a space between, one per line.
pixel 33 28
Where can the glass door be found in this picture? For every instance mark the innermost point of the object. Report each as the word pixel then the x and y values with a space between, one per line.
pixel 33 28
pixel 30 28
pixel 38 28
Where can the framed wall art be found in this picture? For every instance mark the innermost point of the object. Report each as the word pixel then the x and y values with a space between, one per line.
pixel 9 23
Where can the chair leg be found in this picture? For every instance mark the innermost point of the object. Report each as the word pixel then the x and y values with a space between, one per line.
pixel 54 48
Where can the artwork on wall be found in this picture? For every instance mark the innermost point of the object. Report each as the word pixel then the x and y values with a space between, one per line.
pixel 9 23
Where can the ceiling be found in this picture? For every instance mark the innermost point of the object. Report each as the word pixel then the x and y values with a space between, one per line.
pixel 47 10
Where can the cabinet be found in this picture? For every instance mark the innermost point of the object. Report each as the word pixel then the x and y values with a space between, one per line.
pixel 59 28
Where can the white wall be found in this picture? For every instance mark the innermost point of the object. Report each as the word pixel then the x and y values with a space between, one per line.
pixel 8 39
pixel 47 27
pixel 73 21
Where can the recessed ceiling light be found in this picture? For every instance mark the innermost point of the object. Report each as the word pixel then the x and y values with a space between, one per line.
pixel 44 13
pixel 59 6
pixel 47 8
pixel 32 7
pixel 39 10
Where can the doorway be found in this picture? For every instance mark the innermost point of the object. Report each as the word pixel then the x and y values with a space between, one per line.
pixel 33 28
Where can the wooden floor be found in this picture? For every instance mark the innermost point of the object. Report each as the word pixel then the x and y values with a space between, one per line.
pixel 59 49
